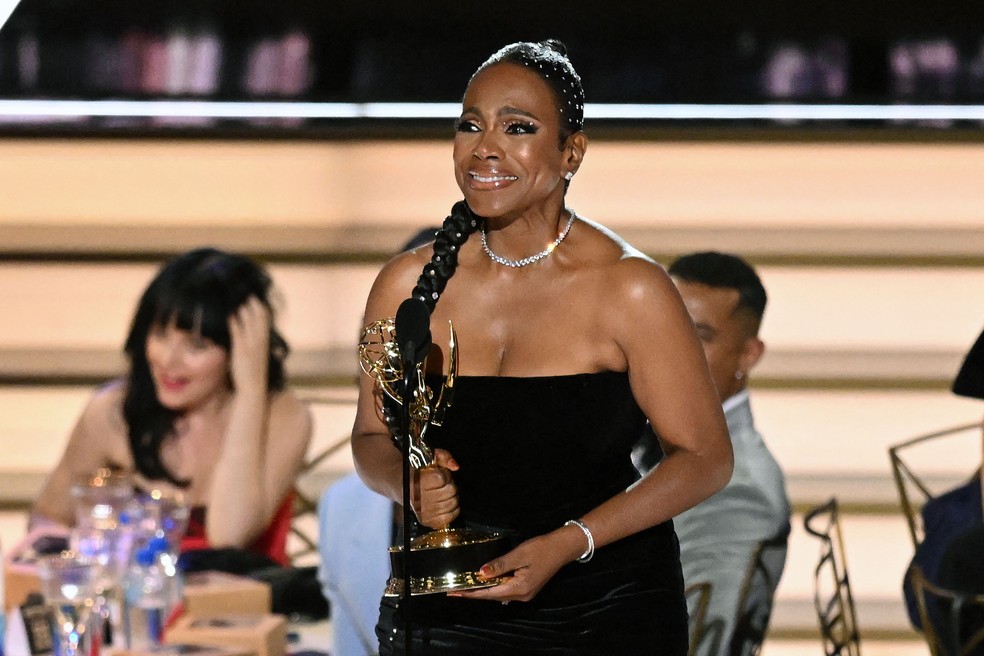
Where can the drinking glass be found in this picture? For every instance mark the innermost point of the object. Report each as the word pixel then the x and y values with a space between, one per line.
pixel 67 586
pixel 102 535
pixel 100 497
pixel 163 519
pixel 165 514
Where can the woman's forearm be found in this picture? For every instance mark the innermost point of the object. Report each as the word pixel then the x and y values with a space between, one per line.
pixel 239 504
pixel 379 464
pixel 682 480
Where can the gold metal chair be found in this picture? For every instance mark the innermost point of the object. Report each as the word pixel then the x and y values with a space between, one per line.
pixel 953 622
pixel 913 488
pixel 702 592
pixel 757 596
pixel 832 596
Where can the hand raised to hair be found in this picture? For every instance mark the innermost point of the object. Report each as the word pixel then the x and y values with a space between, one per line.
pixel 433 493
pixel 249 348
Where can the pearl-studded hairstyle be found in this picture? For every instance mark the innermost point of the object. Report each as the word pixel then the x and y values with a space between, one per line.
pixel 548 59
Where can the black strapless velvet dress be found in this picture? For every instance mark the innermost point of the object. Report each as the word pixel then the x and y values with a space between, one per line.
pixel 535 452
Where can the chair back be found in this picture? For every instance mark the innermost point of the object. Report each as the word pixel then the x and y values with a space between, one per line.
pixel 757 595
pixel 914 487
pixel 701 592
pixel 315 475
pixel 832 596
pixel 952 621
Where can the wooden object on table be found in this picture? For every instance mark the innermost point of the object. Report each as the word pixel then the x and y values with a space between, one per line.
pixel 265 634
pixel 187 650
pixel 218 593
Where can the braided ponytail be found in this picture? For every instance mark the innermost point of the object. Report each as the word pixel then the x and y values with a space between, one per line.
pixel 453 233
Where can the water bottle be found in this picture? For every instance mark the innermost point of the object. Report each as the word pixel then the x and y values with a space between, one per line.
pixel 149 593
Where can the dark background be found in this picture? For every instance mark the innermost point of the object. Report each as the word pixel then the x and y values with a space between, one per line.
pixel 702 51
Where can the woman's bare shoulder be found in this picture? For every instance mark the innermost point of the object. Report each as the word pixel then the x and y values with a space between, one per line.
pixel 622 261
pixel 406 264
pixel 395 282
pixel 105 406
pixel 101 430
pixel 288 403
pixel 291 414
pixel 630 287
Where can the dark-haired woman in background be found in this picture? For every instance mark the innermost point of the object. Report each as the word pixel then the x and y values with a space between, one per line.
pixel 203 409
pixel 568 340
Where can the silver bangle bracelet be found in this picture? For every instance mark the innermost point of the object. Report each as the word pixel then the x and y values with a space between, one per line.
pixel 589 552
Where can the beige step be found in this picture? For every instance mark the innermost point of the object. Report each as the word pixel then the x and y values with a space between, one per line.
pixel 822 323
pixel 925 245
pixel 869 647
pixel 937 310
pixel 400 183
pixel 780 202
pixel 848 432
pixel 90 305
pixel 337 365
pixel 825 440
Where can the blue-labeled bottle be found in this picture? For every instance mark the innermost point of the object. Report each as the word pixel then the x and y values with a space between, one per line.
pixel 148 596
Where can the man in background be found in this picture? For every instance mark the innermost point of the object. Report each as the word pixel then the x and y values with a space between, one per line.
pixel 736 540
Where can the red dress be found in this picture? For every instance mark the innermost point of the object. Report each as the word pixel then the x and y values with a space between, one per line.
pixel 272 543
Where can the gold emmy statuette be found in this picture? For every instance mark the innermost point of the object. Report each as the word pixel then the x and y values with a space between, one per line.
pixel 448 558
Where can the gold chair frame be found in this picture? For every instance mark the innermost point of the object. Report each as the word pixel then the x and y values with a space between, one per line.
pixel 948 642
pixel 836 615
pixel 743 630
pixel 703 592
pixel 906 479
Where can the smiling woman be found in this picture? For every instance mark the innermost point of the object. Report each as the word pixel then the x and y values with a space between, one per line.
pixel 203 408
pixel 568 340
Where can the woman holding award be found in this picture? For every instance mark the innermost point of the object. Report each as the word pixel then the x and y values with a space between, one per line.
pixel 567 340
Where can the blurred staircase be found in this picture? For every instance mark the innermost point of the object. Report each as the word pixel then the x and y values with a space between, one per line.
pixel 872 253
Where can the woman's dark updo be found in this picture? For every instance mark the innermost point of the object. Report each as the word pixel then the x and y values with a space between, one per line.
pixel 197 291
pixel 548 59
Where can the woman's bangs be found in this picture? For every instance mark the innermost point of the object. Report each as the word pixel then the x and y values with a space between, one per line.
pixel 196 315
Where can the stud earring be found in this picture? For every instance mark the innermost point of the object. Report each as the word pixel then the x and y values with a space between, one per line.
pixel 739 375
pixel 568 175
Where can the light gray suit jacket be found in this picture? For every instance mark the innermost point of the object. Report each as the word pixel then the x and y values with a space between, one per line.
pixel 719 537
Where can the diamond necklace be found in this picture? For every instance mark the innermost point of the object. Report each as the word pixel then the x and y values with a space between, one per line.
pixel 532 258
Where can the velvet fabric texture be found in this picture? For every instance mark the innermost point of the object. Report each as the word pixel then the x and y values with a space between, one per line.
pixel 533 453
